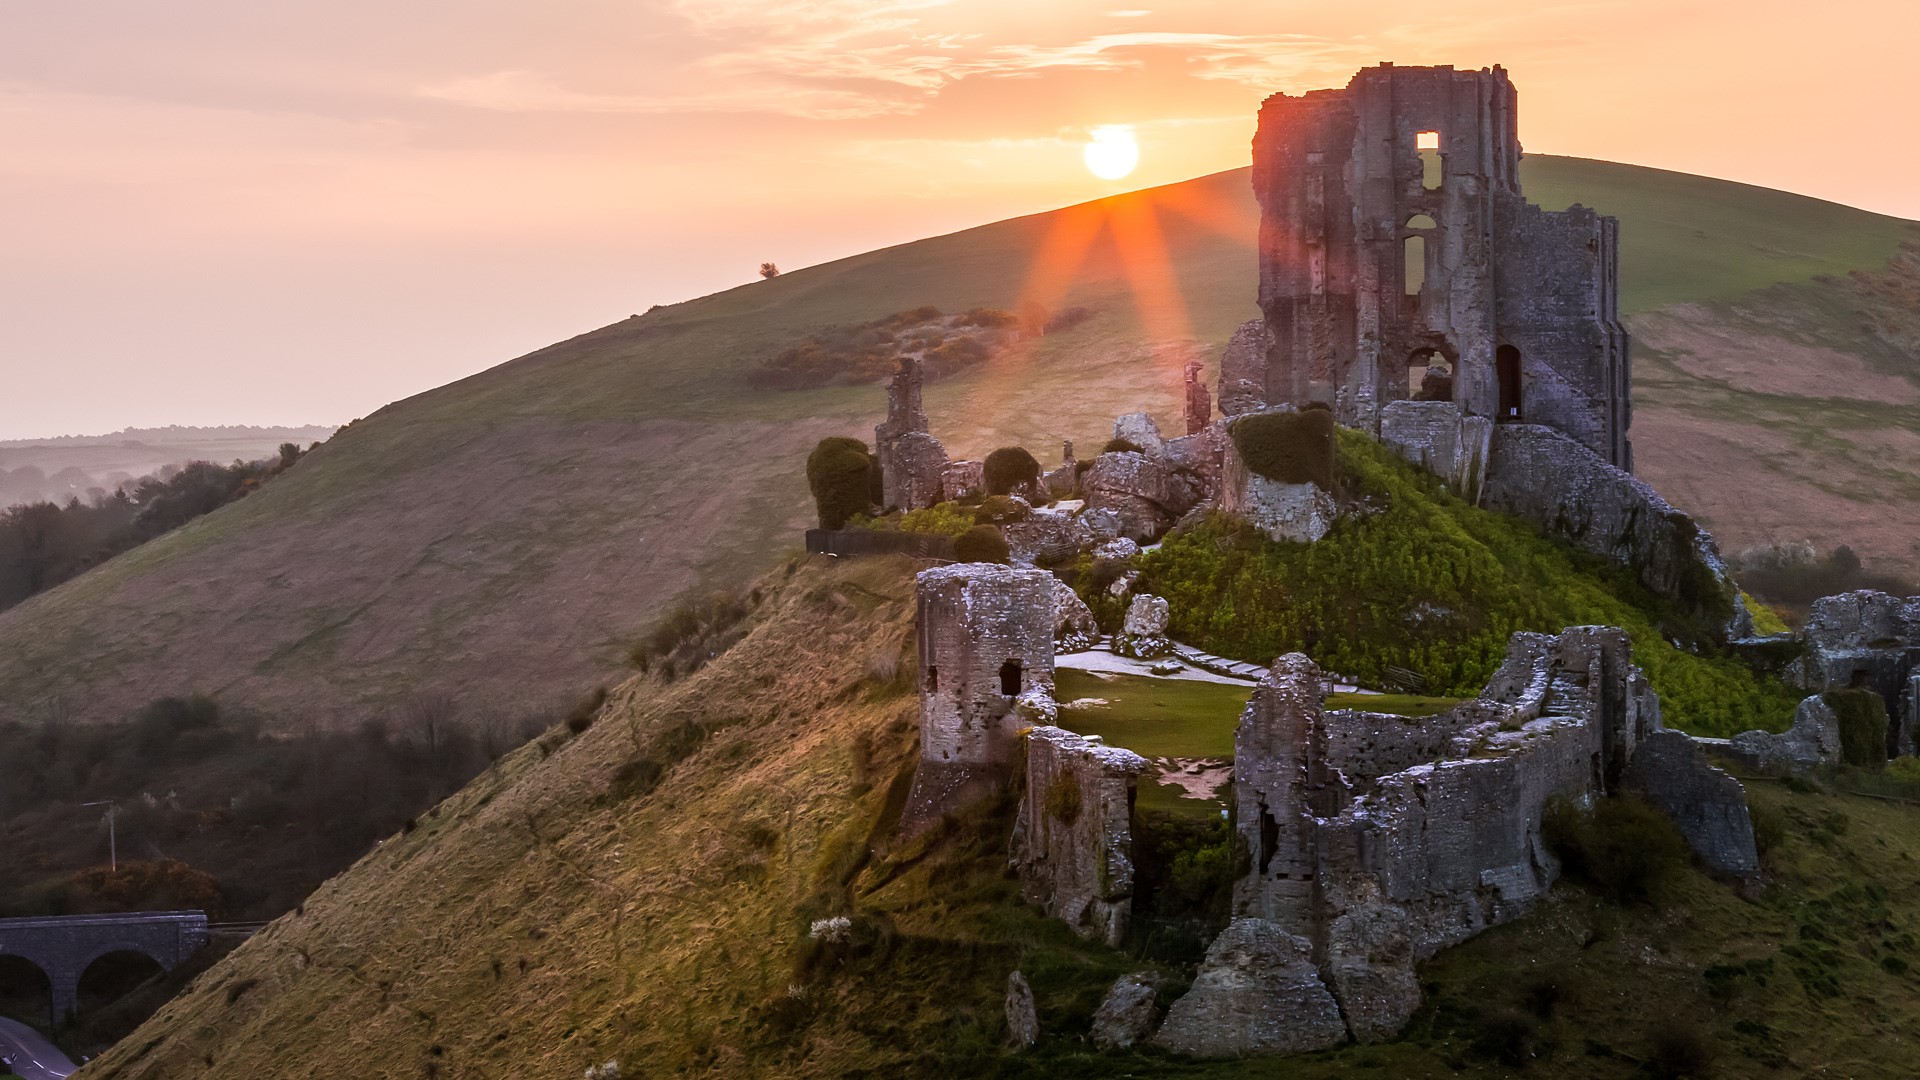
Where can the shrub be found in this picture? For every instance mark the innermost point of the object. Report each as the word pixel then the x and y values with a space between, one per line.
pixel 1511 1038
pixel 1625 849
pixel 587 711
pixel 840 473
pixel 1429 583
pixel 1863 726
pixel 1288 447
pixel 1120 446
pixel 982 543
pixel 1009 468
pixel 1769 828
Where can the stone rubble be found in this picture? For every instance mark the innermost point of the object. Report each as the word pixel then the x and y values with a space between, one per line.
pixel 1126 1015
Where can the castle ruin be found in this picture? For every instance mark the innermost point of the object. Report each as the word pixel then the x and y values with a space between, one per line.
pixel 1400 261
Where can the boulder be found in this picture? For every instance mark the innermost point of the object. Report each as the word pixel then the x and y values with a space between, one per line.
pixel 1126 1015
pixel 1074 628
pixel 1144 634
pixel 1138 490
pixel 1257 992
pixel 1243 368
pixel 1023 1023
pixel 1045 537
pixel 1708 806
pixel 1140 430
pixel 1118 548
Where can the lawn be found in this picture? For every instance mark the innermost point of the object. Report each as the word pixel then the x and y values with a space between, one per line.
pixel 1185 718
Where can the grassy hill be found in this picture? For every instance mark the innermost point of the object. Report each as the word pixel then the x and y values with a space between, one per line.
pixel 496 542
pixel 643 892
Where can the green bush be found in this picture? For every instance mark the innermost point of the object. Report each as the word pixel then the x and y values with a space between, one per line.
pixel 840 473
pixel 982 543
pixel 1863 726
pixel 1434 585
pixel 1008 468
pixel 1291 448
pixel 1625 848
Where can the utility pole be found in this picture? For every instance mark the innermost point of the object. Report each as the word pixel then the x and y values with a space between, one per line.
pixel 113 841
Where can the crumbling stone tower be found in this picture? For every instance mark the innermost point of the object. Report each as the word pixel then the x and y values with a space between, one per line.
pixel 986 643
pixel 913 464
pixel 1394 239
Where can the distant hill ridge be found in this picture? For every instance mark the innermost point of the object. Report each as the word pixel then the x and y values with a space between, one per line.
pixel 176 432
pixel 496 542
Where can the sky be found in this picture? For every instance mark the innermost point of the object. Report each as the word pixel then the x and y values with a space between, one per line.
pixel 230 211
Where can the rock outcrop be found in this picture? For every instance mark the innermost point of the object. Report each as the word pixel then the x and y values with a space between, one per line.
pixel 1126 1015
pixel 1144 493
pixel 1073 840
pixel 1023 1022
pixel 1074 628
pixel 1243 368
pixel 1257 992
pixel 1294 513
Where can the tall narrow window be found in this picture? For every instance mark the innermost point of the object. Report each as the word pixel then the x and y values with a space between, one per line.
pixel 1416 264
pixel 1010 678
pixel 1428 144
pixel 933 679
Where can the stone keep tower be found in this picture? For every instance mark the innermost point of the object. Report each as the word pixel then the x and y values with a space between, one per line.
pixel 1394 240
pixel 986 639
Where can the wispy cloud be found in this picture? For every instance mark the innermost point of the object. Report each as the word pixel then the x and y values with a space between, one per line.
pixel 531 92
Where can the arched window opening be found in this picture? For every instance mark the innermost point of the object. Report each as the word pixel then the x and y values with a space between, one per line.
pixel 1422 221
pixel 1506 362
pixel 1428 145
pixel 25 991
pixel 1010 678
pixel 1429 376
pixel 114 976
pixel 1415 264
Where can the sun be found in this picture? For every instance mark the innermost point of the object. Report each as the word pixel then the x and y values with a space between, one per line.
pixel 1113 152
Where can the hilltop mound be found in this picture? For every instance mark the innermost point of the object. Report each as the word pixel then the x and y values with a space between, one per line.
pixel 645 892
pixel 498 541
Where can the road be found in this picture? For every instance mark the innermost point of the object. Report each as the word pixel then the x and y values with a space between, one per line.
pixel 33 1056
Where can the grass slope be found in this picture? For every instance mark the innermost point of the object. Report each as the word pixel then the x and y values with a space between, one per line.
pixel 496 540
pixel 573 907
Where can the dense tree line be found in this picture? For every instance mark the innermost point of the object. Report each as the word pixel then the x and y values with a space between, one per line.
pixel 43 544
pixel 208 802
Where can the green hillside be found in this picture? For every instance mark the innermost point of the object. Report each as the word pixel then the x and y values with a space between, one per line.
pixel 494 543
pixel 643 893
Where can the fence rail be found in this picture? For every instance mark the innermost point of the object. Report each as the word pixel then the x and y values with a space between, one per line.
pixel 869 542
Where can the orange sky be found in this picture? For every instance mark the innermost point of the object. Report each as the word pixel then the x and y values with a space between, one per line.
pixel 229 211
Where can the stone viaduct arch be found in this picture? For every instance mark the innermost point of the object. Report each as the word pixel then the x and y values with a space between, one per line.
pixel 63 947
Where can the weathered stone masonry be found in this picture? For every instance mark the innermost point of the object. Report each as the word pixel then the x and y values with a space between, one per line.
pixel 1073 841
pixel 986 642
pixel 1379 258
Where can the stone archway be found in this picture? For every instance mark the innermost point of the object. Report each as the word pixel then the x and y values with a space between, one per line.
pixel 26 989
pixel 112 975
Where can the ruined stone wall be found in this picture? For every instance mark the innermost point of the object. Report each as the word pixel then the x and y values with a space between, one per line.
pixel 913 464
pixel 986 641
pixel 1347 202
pixel 1557 280
pixel 1436 436
pixel 1073 841
pixel 1281 781
pixel 1546 477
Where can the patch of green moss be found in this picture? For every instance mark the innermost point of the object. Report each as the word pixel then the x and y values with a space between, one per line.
pixel 1863 726
pixel 1287 447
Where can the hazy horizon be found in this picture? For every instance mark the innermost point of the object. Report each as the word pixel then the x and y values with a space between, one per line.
pixel 223 213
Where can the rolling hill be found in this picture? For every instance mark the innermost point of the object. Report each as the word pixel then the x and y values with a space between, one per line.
pixel 496 542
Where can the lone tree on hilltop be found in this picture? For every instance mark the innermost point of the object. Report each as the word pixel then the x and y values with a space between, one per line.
pixel 840 471
pixel 1008 468
pixel 768 270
